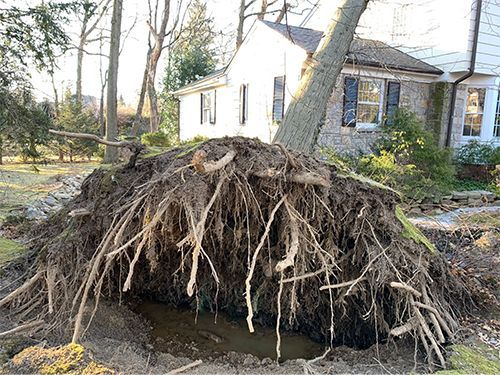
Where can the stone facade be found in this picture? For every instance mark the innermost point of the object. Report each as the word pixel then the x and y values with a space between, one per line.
pixel 414 96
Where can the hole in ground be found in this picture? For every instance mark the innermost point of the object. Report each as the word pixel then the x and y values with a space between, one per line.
pixel 213 335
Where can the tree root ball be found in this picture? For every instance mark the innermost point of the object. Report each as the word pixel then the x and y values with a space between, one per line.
pixel 253 229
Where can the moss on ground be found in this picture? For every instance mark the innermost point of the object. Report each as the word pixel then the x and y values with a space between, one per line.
pixel 411 232
pixel 9 250
pixel 479 359
pixel 367 180
pixel 66 359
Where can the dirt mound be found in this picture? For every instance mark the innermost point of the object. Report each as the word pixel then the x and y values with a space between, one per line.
pixel 252 229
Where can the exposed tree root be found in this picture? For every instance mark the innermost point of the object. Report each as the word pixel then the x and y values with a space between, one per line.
pixel 241 226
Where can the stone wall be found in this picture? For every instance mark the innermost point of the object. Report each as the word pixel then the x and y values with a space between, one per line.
pixel 414 96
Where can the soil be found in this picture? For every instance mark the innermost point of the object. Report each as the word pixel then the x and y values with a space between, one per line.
pixel 123 340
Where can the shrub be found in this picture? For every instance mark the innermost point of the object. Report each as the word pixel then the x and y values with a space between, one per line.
pixel 475 152
pixel 196 139
pixel 158 139
pixel 408 158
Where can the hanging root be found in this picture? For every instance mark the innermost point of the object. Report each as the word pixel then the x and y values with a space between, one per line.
pixel 236 224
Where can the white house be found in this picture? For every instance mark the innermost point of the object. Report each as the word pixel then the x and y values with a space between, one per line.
pixel 462 38
pixel 249 97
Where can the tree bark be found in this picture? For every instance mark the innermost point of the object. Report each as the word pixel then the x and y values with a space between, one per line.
pixel 306 113
pixel 159 37
pixel 79 63
pixel 263 10
pixel 241 22
pixel 142 96
pixel 111 153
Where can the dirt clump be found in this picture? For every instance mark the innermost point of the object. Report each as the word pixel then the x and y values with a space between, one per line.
pixel 252 229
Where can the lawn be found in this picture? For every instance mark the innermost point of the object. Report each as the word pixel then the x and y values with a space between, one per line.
pixel 21 184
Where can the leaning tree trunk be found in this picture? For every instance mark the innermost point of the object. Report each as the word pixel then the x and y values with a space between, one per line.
pixel 306 113
pixel 111 153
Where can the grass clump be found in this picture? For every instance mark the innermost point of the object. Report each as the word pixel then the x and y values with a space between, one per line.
pixel 410 231
pixel 9 250
pixel 66 359
pixel 477 360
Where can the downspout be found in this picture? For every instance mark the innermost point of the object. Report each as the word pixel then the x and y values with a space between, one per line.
pixel 472 66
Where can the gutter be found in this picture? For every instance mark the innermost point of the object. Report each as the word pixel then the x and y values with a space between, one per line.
pixel 472 66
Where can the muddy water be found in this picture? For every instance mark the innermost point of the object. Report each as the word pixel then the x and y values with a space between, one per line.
pixel 225 334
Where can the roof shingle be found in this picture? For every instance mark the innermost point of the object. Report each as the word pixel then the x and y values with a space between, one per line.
pixel 366 52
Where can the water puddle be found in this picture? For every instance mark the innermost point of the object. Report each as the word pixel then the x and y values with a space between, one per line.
pixel 225 335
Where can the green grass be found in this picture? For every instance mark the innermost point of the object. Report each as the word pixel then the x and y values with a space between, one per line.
pixel 9 250
pixel 476 359
pixel 21 184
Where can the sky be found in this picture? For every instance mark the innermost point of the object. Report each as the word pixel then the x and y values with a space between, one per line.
pixel 133 56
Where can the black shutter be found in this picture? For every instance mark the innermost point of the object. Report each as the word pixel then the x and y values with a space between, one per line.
pixel 350 102
pixel 201 108
pixel 392 104
pixel 279 98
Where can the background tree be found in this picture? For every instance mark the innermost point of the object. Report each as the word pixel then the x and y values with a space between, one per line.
pixel 90 15
pixel 74 117
pixel 34 36
pixel 191 58
pixel 111 153
pixel 306 113
pixel 276 9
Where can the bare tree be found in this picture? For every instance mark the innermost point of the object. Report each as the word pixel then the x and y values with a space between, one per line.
pixel 92 15
pixel 306 113
pixel 247 9
pixel 159 37
pixel 111 153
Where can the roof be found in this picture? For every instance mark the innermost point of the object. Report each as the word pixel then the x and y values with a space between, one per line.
pixel 215 74
pixel 366 52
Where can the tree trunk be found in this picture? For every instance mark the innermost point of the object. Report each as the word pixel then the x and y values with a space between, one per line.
pixel 102 123
pixel 1 149
pixel 263 10
pixel 159 36
pixel 140 105
pixel 154 117
pixel 79 63
pixel 306 113
pixel 56 94
pixel 111 153
pixel 241 22
pixel 282 13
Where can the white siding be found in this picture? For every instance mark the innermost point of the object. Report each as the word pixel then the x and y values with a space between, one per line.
pixel 264 55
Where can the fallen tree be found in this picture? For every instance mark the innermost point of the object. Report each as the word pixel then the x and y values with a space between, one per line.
pixel 249 228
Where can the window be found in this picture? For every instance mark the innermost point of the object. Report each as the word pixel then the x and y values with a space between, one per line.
pixel 496 125
pixel 243 104
pixel 363 101
pixel 279 98
pixel 208 107
pixel 474 112
pixel 369 96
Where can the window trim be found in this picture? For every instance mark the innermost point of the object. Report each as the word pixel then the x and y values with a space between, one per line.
pixel 210 118
pixel 496 118
pixel 465 113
